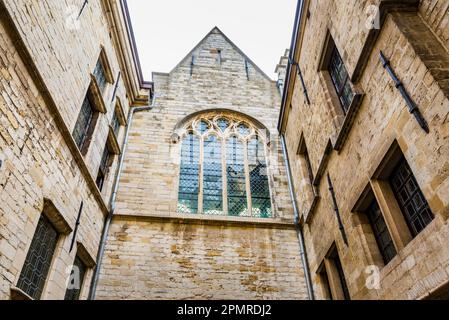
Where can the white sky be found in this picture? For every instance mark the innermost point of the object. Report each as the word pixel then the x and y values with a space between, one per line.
pixel 167 30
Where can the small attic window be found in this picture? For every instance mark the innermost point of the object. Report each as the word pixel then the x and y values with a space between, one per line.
pixel 217 52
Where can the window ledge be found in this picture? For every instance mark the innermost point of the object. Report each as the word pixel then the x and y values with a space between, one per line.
pixel 180 218
pixel 19 295
pixel 348 121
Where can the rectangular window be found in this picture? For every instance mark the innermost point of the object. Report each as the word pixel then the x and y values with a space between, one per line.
pixel 335 260
pixel 340 79
pixel 324 279
pixel 412 202
pixel 38 260
pixel 100 76
pixel 76 280
pixel 237 201
pixel 104 168
pixel 212 177
pixel 189 175
pixel 115 124
pixel 381 233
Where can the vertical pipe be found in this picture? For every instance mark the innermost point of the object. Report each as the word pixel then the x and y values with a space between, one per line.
pixel 113 198
pixel 302 250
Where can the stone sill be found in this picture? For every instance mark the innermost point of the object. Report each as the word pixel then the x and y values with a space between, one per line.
pixel 199 219
pixel 19 295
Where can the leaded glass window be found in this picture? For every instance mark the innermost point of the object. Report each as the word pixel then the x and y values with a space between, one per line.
pixel 412 202
pixel 212 176
pixel 260 191
pixel 190 174
pixel 235 173
pixel 38 260
pixel 104 168
pixel 223 169
pixel 83 123
pixel 115 124
pixel 100 75
pixel 76 280
pixel 381 233
pixel 340 80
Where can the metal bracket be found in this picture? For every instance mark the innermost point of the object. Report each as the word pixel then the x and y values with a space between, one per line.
pixel 413 108
pixel 337 210
pixel 304 88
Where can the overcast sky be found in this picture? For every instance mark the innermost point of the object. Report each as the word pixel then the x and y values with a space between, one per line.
pixel 166 30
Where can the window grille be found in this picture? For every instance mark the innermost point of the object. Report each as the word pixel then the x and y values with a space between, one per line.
pixel 223 169
pixel 189 176
pixel 76 280
pixel 412 202
pixel 104 168
pixel 83 123
pixel 340 80
pixel 381 233
pixel 100 76
pixel 38 260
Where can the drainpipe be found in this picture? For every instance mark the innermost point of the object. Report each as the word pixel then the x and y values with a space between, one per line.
pixel 302 248
pixel 113 198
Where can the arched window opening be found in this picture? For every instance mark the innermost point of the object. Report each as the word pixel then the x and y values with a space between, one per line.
pixel 224 169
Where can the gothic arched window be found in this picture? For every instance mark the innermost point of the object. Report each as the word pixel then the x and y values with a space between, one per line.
pixel 223 169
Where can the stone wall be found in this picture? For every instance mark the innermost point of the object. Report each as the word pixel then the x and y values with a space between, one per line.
pixel 422 265
pixel 182 256
pixel 45 67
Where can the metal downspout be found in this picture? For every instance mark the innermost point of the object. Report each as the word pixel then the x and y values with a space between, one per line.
pixel 302 249
pixel 113 198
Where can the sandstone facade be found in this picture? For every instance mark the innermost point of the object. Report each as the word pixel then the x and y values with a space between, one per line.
pixel 46 61
pixel 355 147
pixel 179 256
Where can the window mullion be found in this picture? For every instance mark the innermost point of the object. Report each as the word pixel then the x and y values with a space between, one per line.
pixel 224 175
pixel 201 183
pixel 247 178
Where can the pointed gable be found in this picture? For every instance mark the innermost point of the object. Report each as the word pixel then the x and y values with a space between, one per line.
pixel 211 50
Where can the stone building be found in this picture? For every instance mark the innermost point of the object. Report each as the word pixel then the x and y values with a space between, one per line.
pixel 68 77
pixel 114 188
pixel 203 208
pixel 365 117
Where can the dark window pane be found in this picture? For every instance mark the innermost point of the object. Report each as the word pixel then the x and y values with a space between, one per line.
pixel 100 75
pixel 381 233
pixel 104 168
pixel 83 123
pixel 37 263
pixel 325 283
pixel 341 275
pixel 260 191
pixel 412 202
pixel 189 176
pixel 235 171
pixel 340 80
pixel 212 177
pixel 76 280
pixel 115 124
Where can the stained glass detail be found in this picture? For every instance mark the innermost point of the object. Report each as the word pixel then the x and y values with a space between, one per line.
pixel 412 202
pixel 244 130
pixel 76 280
pixel 100 75
pixel 212 177
pixel 189 176
pixel 260 192
pixel 223 124
pixel 203 126
pixel 235 171
pixel 83 123
pixel 38 260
